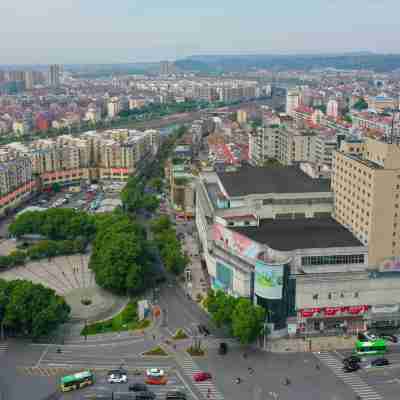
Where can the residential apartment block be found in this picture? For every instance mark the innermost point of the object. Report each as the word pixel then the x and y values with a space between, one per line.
pixel 366 185
pixel 110 155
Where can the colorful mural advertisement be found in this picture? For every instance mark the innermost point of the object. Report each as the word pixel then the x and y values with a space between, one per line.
pixel 224 278
pixel 269 281
pixel 236 242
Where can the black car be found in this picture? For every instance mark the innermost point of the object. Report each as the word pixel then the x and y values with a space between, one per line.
pixel 223 348
pixel 147 395
pixel 352 359
pixel 391 338
pixel 351 367
pixel 380 362
pixel 203 330
pixel 138 387
pixel 175 395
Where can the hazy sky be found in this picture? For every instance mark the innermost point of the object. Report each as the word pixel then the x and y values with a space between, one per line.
pixel 80 31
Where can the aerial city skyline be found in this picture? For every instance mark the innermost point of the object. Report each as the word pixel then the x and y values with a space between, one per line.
pixel 200 201
pixel 136 31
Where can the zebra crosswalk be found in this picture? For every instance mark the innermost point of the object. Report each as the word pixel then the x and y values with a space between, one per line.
pixel 358 385
pixel 3 347
pixel 206 388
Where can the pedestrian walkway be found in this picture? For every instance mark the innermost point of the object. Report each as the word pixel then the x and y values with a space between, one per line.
pixel 3 347
pixel 206 388
pixel 359 386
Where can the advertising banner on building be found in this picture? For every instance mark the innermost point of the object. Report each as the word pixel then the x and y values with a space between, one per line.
pixel 233 241
pixel 269 281
pixel 224 278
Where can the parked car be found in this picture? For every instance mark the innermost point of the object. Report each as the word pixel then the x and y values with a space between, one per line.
pixel 352 359
pixel 223 348
pixel 202 376
pixel 138 387
pixel 351 367
pixel 380 362
pixel 117 376
pixel 175 395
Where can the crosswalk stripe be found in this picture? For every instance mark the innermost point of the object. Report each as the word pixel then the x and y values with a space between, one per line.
pixel 355 382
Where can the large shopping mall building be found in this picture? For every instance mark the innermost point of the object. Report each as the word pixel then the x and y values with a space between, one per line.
pixel 267 234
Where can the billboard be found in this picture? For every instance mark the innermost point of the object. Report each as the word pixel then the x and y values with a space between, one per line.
pixel 224 278
pixel 233 241
pixel 268 280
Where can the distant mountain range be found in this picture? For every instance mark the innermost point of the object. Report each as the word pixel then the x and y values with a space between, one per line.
pixel 241 63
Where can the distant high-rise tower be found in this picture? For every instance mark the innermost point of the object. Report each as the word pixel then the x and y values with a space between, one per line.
pixel 292 101
pixel 29 80
pixel 166 68
pixel 332 109
pixel 54 75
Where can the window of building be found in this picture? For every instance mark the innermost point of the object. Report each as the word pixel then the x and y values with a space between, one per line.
pixel 356 295
pixel 315 297
pixel 333 260
pixel 329 296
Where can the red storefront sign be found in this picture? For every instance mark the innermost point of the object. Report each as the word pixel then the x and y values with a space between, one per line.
pixel 357 309
pixel 332 311
pixel 307 313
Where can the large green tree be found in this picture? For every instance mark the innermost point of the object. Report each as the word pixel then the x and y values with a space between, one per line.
pixel 55 223
pixel 247 321
pixel 121 257
pixel 244 319
pixel 31 309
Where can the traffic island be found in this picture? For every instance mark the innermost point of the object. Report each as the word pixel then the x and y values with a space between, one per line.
pixel 195 351
pixel 156 351
pixel 180 335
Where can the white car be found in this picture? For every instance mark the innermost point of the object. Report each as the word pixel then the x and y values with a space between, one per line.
pixel 155 372
pixel 117 377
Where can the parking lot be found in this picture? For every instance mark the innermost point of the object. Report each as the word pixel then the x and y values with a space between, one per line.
pixel 104 390
pixel 93 198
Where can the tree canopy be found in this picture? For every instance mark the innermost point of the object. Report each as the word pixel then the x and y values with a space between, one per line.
pixel 55 224
pixel 121 258
pixel 31 309
pixel 244 319
pixel 360 104
pixel 169 246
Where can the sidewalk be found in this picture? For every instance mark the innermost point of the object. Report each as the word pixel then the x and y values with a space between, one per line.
pixel 198 285
pixel 302 345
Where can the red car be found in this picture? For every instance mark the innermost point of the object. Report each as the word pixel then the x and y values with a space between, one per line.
pixel 202 376
pixel 152 380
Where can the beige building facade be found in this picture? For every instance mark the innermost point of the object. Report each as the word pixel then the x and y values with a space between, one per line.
pixel 366 186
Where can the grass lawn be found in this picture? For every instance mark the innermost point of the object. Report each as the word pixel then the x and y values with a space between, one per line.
pixel 126 320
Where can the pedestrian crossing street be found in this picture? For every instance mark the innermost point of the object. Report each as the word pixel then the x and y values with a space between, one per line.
pixel 3 347
pixel 44 371
pixel 206 388
pixel 359 386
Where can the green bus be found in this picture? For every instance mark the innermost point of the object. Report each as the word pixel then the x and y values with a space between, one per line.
pixel 370 347
pixel 76 381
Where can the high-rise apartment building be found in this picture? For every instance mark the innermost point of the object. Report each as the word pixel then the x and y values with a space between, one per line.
pixel 292 101
pixel 54 75
pixel 113 107
pixel 167 68
pixel 332 109
pixel 29 80
pixel 366 186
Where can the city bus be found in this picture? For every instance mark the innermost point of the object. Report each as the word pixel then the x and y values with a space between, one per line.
pixel 76 381
pixel 370 347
